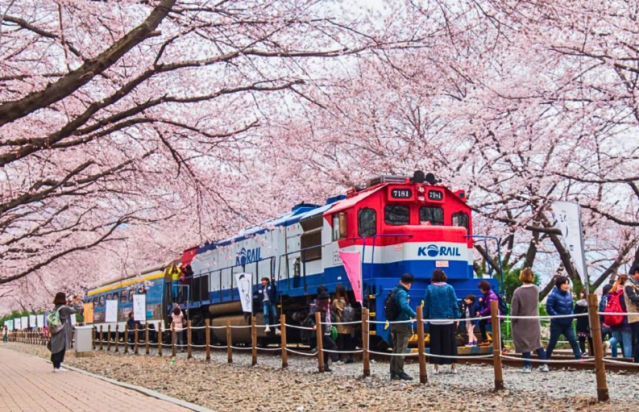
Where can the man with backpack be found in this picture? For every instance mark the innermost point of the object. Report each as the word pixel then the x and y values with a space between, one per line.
pixel 397 309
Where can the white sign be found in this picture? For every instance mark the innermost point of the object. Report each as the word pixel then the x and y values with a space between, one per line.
pixel 72 319
pixel 568 216
pixel 17 323
pixel 245 288
pixel 139 307
pixel 111 315
pixel 10 324
pixel 24 322
pixel 40 321
pixel 32 321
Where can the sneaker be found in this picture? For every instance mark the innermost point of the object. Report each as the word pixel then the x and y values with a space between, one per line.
pixel 339 362
pixel 267 330
pixel 453 371
pixel 543 368
pixel 61 370
pixel 435 371
pixel 469 345
pixel 395 377
pixel 327 369
pixel 485 343
pixel 278 331
pixel 405 377
pixel 526 369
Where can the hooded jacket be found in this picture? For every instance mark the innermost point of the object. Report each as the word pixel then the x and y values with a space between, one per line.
pixel 631 295
pixel 560 303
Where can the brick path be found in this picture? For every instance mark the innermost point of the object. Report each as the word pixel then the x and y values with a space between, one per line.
pixel 27 384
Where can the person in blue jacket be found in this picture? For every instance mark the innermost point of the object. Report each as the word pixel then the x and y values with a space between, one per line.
pixel 268 297
pixel 401 332
pixel 560 303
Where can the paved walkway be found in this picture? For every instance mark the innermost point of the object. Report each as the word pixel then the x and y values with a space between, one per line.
pixel 27 384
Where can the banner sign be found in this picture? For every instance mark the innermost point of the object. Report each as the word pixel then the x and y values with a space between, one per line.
pixel 111 311
pixel 10 324
pixel 353 266
pixel 17 323
pixel 40 321
pixel 139 307
pixel 245 288
pixel 32 321
pixel 568 216
pixel 24 322
pixel 73 319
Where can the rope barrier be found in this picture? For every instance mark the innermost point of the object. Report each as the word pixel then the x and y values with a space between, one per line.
pixel 461 357
pixel 301 353
pixel 544 317
pixel 342 351
pixel 240 326
pixel 406 355
pixel 615 313
pixel 276 325
pixel 343 323
pixel 273 349
pixel 617 362
pixel 383 322
pixel 299 327
pixel 457 320
pixel 198 346
pixel 217 327
pixel 240 348
pixel 197 327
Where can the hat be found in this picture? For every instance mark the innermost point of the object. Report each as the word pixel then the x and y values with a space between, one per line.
pixel 324 295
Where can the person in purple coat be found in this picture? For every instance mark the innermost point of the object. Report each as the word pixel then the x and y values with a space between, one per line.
pixel 488 296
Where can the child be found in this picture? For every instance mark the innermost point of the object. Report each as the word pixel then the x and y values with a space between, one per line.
pixel 470 309
pixel 583 328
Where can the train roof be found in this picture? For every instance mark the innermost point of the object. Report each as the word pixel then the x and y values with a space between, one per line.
pixel 144 272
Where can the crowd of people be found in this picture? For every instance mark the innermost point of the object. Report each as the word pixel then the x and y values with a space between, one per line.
pixel 618 307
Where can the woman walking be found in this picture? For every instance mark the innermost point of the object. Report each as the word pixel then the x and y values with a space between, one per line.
pixel 177 318
pixel 60 327
pixel 441 310
pixel 527 332
pixel 621 332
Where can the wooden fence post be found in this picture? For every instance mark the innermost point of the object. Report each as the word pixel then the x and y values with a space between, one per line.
pixel 173 339
pixel 207 339
pixel 366 357
pixel 600 368
pixel 117 337
pixel 283 344
pixel 494 314
pixel 109 338
pixel 229 342
pixel 101 337
pixel 253 340
pixel 188 339
pixel 135 339
pixel 93 336
pixel 126 338
pixel 320 343
pixel 146 338
pixel 160 338
pixel 423 375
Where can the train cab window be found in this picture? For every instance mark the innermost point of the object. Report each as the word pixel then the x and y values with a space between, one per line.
pixel 461 219
pixel 433 215
pixel 339 226
pixel 396 215
pixel 366 222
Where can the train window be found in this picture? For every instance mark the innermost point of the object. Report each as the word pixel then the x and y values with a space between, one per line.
pixel 366 222
pixel 396 215
pixel 461 219
pixel 433 215
pixel 339 226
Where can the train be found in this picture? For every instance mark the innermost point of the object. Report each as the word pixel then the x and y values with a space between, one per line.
pixel 398 224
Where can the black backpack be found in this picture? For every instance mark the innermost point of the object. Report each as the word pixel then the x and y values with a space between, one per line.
pixel 391 308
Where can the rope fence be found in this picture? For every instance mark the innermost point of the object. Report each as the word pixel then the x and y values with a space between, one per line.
pixel 135 337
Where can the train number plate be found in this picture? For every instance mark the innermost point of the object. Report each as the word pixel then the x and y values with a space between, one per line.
pixel 401 193
pixel 435 195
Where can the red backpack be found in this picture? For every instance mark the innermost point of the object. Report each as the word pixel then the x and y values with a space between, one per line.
pixel 614 306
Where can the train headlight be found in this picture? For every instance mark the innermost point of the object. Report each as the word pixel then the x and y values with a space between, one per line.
pixel 420 198
pixel 421 189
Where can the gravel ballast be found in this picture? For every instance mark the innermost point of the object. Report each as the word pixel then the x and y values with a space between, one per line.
pixel 266 387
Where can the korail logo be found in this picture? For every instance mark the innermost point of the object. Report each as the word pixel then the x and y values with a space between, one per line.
pixel 247 256
pixel 435 251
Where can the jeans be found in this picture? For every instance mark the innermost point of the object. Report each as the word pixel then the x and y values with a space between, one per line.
pixel 625 338
pixel 57 358
pixel 557 330
pixel 400 333
pixel 635 340
pixel 269 310
pixel 526 355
